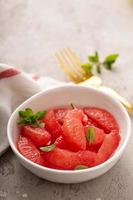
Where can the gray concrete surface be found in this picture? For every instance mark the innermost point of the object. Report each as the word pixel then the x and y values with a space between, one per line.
pixel 30 33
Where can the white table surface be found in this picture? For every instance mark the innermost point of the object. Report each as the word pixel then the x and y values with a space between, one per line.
pixel 31 32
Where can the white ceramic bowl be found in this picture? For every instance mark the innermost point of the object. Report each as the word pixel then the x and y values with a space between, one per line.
pixel 79 96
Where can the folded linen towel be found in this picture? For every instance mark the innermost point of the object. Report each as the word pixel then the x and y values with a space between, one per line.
pixel 15 87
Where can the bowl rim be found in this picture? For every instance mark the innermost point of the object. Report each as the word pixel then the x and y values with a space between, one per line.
pixel 115 156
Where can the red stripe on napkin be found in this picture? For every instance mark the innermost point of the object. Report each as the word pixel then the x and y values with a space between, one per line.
pixel 8 73
pixel 35 77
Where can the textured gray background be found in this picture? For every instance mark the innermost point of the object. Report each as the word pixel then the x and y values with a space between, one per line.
pixel 30 33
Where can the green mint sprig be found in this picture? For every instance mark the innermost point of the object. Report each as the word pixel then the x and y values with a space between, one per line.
pixel 90 136
pixel 80 167
pixel 95 63
pixel 48 148
pixel 28 117
pixel 110 60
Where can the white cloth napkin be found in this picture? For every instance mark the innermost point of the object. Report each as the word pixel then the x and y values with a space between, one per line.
pixel 15 87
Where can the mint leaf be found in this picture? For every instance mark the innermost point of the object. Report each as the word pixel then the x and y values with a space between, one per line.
pixel 22 122
pixel 94 58
pixel 87 67
pixel 41 125
pixel 111 58
pixel 34 125
pixel 98 68
pixel 28 117
pixel 80 167
pixel 40 115
pixel 22 114
pixel 48 148
pixel 109 61
pixel 90 134
pixel 29 112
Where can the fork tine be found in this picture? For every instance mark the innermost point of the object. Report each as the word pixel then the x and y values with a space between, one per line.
pixel 64 65
pixel 76 61
pixel 78 64
pixel 71 64
pixel 75 56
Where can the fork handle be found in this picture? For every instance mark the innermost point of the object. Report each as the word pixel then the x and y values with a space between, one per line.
pixel 113 93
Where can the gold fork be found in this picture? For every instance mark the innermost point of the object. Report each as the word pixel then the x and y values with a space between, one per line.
pixel 71 64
